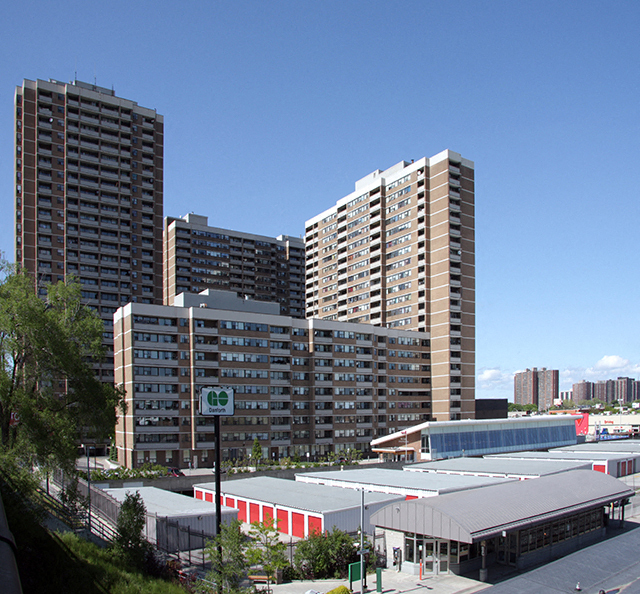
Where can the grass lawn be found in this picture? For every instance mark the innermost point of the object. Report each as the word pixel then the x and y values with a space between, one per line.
pixel 63 563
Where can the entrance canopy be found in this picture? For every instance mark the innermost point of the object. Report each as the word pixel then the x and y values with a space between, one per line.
pixel 472 516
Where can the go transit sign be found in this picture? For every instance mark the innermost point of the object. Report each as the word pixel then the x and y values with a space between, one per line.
pixel 216 401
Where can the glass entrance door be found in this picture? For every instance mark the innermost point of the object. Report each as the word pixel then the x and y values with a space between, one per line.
pixel 436 556
pixel 429 556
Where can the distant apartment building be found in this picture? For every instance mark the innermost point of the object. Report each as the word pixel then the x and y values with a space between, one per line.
pixel 536 386
pixel 89 194
pixel 301 385
pixel 622 390
pixel 399 252
pixel 199 257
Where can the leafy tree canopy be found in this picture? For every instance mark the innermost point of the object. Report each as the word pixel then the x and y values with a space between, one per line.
pixel 130 541
pixel 266 549
pixel 49 392
pixel 228 572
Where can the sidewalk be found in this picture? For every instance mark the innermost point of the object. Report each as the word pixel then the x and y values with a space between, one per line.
pixel 392 583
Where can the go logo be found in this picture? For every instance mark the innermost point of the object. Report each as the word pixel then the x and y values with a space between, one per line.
pixel 220 398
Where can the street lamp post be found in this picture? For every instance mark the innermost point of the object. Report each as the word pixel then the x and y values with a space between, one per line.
pixel 88 489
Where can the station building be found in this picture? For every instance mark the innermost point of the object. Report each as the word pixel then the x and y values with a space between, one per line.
pixel 455 439
pixel 515 523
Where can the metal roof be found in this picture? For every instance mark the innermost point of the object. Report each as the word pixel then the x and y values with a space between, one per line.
pixel 611 566
pixel 473 425
pixel 504 466
pixel 470 516
pixel 564 455
pixel 167 503
pixel 621 446
pixel 399 480
pixel 293 494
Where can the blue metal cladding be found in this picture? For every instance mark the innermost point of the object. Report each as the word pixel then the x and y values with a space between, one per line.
pixel 494 441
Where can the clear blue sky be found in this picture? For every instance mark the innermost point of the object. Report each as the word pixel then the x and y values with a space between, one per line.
pixel 273 109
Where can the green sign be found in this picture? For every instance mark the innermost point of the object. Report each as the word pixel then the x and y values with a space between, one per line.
pixel 217 401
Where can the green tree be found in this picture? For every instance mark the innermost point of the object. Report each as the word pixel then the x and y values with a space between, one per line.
pixel 256 451
pixel 228 573
pixel 47 382
pixel 130 541
pixel 266 549
pixel 322 556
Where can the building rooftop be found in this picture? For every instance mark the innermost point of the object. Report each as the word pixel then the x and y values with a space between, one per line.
pixel 287 493
pixel 621 446
pixel 499 466
pixel 166 503
pixel 397 480
pixel 564 455
pixel 609 566
pixel 470 516
pixel 461 426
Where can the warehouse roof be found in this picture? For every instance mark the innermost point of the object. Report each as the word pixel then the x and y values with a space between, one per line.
pixel 471 516
pixel 622 446
pixel 396 481
pixel 500 466
pixel 293 494
pixel 167 503
pixel 564 455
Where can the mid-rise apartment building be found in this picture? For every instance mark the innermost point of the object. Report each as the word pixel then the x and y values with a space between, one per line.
pixel 198 256
pixel 537 386
pixel 399 252
pixel 89 194
pixel 301 385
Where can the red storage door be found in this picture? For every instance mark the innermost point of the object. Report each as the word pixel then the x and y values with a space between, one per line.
pixel 283 521
pixel 297 524
pixel 230 502
pixel 600 468
pixel 199 494
pixel 408 497
pixel 242 510
pixel 267 513
pixel 254 512
pixel 315 525
pixel 629 466
pixel 208 497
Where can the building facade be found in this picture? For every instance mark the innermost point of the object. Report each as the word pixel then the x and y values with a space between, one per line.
pixel 536 386
pixel 399 252
pixel 622 390
pixel 199 257
pixel 301 385
pixel 89 194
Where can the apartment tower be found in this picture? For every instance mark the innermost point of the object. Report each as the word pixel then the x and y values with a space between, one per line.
pixel 88 194
pixel 536 386
pixel 199 257
pixel 400 252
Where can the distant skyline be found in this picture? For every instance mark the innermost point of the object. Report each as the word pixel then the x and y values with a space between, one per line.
pixel 289 103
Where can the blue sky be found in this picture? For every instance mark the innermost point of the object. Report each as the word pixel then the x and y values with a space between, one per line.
pixel 274 109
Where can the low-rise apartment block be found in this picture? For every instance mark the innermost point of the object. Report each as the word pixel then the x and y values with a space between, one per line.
pixel 301 385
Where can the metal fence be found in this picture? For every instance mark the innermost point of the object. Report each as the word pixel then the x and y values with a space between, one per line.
pixel 168 536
